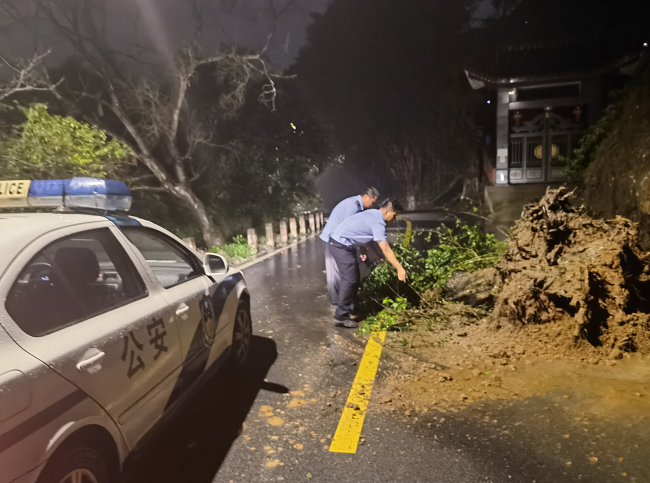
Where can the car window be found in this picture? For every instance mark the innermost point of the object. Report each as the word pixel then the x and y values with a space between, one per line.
pixel 73 279
pixel 170 263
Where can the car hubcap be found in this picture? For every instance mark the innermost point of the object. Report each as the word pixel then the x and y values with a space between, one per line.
pixel 242 335
pixel 79 476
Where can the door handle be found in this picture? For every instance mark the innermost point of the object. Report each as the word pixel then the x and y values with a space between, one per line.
pixel 182 309
pixel 87 363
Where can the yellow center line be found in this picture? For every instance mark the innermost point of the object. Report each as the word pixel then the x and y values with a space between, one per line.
pixel 346 438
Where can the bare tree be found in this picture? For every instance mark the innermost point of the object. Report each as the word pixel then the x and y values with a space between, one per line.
pixel 409 165
pixel 153 118
pixel 24 76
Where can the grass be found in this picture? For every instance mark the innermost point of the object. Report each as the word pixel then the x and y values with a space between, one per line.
pixel 237 250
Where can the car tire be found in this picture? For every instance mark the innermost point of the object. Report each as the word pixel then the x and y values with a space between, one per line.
pixel 77 462
pixel 242 335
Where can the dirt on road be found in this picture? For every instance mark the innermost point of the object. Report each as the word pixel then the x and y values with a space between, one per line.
pixel 448 377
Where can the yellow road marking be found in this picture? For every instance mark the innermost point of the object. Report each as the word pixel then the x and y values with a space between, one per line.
pixel 348 432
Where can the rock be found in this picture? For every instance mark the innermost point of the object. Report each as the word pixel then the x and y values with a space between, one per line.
pixel 472 288
pixel 615 354
pixel 384 399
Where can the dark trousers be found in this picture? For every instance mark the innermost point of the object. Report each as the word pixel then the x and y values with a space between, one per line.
pixel 348 279
pixel 332 272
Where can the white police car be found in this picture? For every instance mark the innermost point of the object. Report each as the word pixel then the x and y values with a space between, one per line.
pixel 106 323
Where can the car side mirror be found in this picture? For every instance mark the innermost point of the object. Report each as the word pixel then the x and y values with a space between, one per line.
pixel 214 264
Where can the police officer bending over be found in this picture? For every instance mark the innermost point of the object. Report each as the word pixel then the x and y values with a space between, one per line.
pixel 356 231
pixel 342 211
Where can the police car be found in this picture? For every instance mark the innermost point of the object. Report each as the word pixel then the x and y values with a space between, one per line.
pixel 107 322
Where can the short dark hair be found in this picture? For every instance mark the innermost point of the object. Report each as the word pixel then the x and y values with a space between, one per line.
pixel 391 205
pixel 371 192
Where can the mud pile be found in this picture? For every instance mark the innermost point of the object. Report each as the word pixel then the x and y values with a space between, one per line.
pixel 586 277
pixel 436 314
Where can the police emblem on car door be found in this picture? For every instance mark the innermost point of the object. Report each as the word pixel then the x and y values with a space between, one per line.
pixel 208 320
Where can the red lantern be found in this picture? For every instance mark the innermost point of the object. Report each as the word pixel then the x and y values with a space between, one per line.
pixel 577 112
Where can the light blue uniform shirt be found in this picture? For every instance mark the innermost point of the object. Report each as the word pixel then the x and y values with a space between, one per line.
pixel 344 210
pixel 361 228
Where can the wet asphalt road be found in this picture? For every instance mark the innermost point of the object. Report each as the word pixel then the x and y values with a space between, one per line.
pixel 251 428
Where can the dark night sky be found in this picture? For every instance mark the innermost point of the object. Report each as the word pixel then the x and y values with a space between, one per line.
pixel 165 24
pixel 243 22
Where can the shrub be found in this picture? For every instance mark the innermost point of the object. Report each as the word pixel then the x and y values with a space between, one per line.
pixel 581 157
pixel 237 250
pixel 386 319
pixel 462 248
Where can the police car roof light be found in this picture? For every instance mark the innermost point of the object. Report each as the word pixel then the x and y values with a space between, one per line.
pixel 75 193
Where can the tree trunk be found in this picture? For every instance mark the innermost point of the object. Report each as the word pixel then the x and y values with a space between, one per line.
pixel 410 203
pixel 211 235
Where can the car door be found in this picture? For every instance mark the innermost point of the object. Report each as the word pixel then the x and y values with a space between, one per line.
pixel 203 319
pixel 80 303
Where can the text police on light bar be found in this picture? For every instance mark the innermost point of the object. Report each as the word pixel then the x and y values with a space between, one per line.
pixel 82 193
pixel 12 189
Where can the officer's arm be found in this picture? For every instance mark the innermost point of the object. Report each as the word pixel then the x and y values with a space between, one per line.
pixel 390 256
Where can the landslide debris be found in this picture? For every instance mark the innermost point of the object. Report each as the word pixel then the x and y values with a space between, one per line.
pixel 587 276
pixel 569 286
pixel 571 297
pixel 437 314
pixel 472 288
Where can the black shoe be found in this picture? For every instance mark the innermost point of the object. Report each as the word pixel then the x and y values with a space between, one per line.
pixel 348 324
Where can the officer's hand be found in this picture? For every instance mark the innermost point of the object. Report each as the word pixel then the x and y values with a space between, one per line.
pixel 401 274
pixel 363 254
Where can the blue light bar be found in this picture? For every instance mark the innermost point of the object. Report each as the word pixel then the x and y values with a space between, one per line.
pixel 102 194
pixel 45 194
pixel 86 193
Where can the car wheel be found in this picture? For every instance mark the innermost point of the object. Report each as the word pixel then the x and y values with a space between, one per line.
pixel 78 463
pixel 242 334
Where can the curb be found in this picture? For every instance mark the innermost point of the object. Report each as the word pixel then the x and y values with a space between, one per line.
pixel 274 252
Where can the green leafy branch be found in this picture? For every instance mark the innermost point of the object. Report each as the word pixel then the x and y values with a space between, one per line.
pixel 460 248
